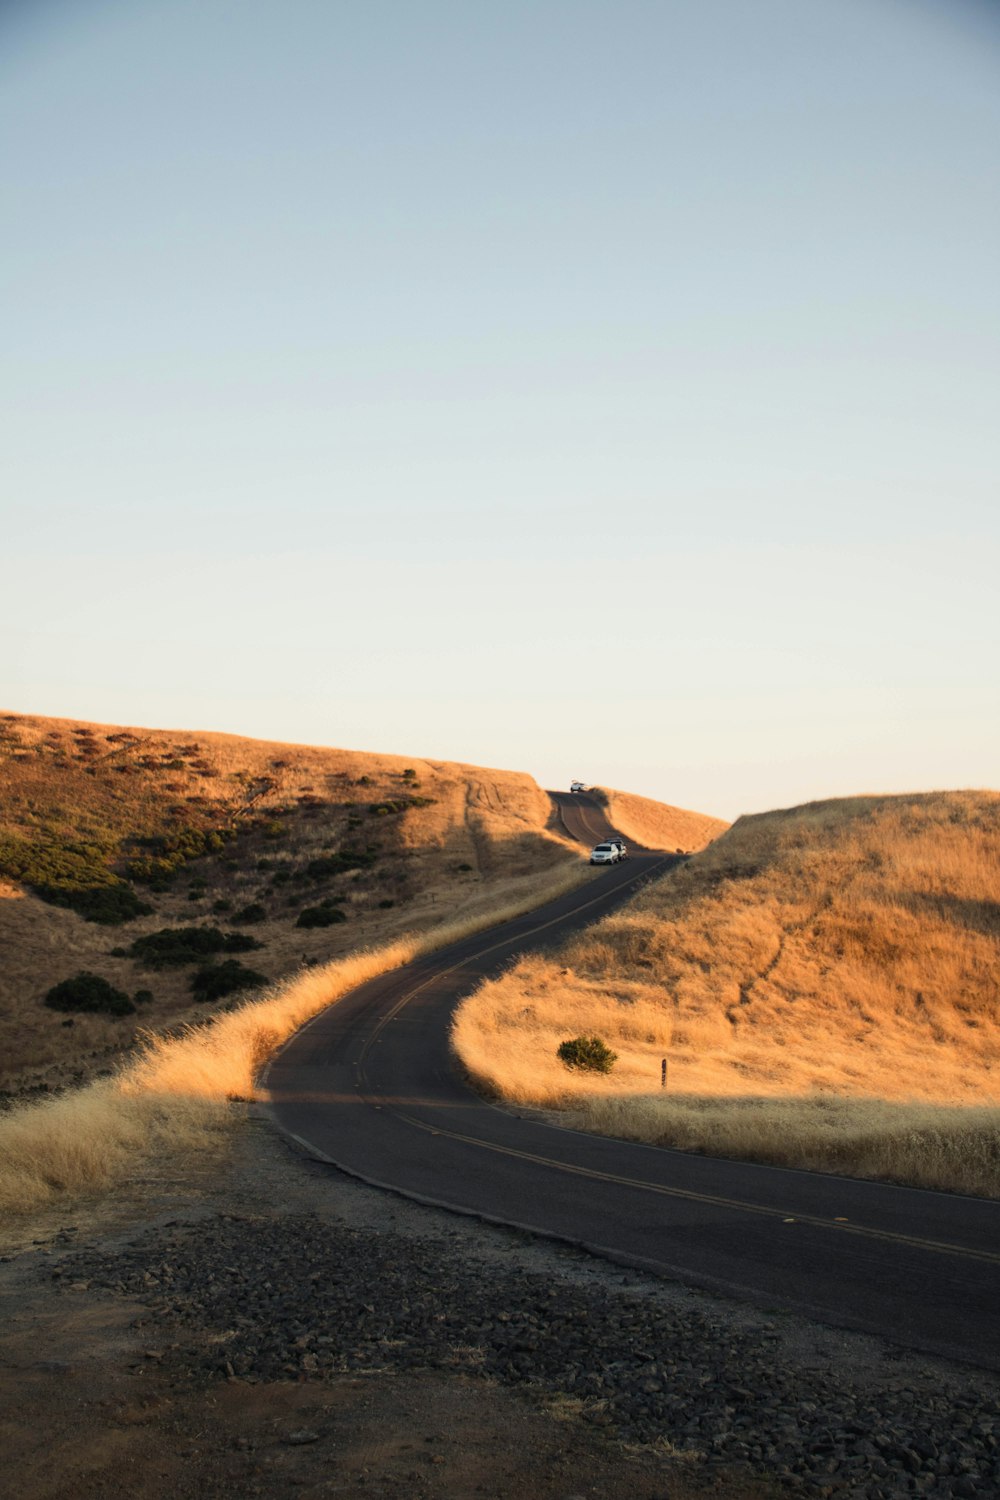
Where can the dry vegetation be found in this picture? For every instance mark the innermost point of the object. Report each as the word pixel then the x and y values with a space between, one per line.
pixel 178 1092
pixel 243 835
pixel 823 981
pixel 657 825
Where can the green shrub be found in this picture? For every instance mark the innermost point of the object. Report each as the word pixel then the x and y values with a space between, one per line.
pixel 386 904
pixel 168 852
pixel 110 905
pixel 89 992
pixel 587 1053
pixel 252 913
pixel 142 997
pixel 320 916
pixel 222 905
pixel 347 858
pixel 174 946
pixel 72 873
pixel 214 981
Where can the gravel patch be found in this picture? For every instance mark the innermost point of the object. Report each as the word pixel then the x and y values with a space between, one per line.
pixel 298 1297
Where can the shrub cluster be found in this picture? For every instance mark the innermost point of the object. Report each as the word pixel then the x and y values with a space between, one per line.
pixel 168 852
pixel 74 874
pixel 174 946
pixel 398 805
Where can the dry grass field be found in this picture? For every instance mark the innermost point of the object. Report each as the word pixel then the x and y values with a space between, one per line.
pixel 823 981
pixel 211 830
pixel 657 825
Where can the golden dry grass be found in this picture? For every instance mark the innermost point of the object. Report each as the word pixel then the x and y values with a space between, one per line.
pixel 823 981
pixel 657 825
pixel 177 1093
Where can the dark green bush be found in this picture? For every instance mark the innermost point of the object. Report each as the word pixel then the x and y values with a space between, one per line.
pixel 588 1053
pixel 142 997
pixel 174 946
pixel 386 903
pixel 320 916
pixel 252 913
pixel 347 858
pixel 89 992
pixel 214 981
pixel 222 905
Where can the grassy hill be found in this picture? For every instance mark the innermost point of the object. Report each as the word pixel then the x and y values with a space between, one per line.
pixel 291 854
pixel 822 980
pixel 657 825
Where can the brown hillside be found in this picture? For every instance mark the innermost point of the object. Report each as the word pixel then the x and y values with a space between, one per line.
pixel 657 825
pixel 87 808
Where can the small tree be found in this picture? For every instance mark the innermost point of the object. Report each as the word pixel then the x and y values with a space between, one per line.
pixel 588 1053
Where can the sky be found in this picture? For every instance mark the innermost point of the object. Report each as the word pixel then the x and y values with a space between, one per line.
pixel 598 388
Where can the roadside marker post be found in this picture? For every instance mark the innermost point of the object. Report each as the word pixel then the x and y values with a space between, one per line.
pixel 663 1074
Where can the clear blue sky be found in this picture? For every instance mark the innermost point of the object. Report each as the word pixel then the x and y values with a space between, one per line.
pixel 598 388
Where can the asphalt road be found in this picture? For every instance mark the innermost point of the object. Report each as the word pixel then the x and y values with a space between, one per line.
pixel 370 1086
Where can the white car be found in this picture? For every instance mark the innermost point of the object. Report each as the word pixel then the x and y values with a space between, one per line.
pixel 605 854
pixel 621 847
pixel 577 786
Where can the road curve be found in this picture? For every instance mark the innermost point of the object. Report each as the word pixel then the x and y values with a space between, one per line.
pixel 370 1086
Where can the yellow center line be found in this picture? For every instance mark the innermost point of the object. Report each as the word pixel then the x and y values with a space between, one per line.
pixel 390 1015
pixel 814 1221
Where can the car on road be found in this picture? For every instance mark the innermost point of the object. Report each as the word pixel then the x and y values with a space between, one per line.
pixel 604 854
pixel 577 786
pixel 621 847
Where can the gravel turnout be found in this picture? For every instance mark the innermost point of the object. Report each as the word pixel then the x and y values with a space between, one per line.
pixel 298 1298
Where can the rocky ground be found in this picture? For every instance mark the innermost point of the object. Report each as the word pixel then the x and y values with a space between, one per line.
pixel 266 1327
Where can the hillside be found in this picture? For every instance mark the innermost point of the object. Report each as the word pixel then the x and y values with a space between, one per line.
pixel 845 950
pixel 109 835
pixel 657 825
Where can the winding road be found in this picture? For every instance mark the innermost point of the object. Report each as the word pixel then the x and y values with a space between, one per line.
pixel 370 1087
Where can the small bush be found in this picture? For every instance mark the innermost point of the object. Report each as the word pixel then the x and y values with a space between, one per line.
pixel 335 864
pixel 250 914
pixel 386 904
pixel 222 905
pixel 142 997
pixel 588 1053
pixel 320 916
pixel 214 981
pixel 89 992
